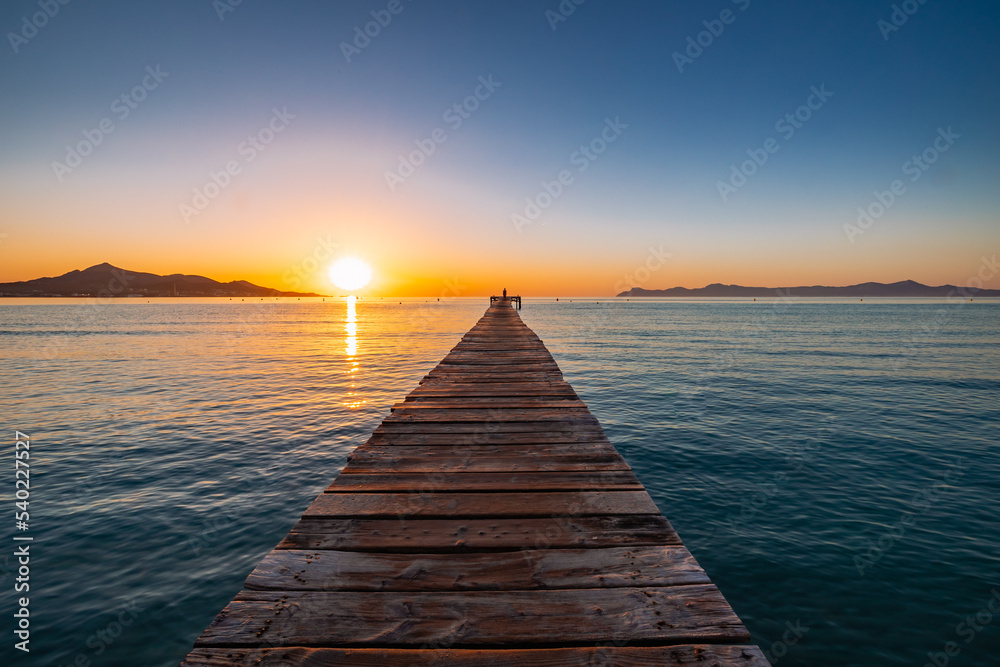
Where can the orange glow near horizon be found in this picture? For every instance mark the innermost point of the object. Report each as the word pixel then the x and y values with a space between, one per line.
pixel 283 225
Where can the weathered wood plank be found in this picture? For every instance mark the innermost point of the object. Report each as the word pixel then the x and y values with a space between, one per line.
pixel 701 655
pixel 473 365
pixel 676 614
pixel 492 379
pixel 454 534
pixel 464 402
pixel 399 446
pixel 499 415
pixel 499 505
pixel 397 482
pixel 535 569
pixel 410 434
pixel 452 464
pixel 484 430
pixel 540 390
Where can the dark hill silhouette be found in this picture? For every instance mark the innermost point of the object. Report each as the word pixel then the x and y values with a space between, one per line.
pixel 105 280
pixel 903 288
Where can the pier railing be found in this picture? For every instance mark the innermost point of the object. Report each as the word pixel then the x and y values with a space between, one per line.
pixel 511 300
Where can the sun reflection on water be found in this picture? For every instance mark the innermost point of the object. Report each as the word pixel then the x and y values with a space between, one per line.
pixel 351 351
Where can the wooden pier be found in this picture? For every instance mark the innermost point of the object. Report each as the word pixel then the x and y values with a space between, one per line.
pixel 487 521
pixel 514 301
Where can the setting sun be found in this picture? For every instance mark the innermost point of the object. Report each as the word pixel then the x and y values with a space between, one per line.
pixel 350 273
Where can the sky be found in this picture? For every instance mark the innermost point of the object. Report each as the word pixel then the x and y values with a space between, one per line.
pixel 554 148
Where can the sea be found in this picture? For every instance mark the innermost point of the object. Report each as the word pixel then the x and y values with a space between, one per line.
pixel 833 464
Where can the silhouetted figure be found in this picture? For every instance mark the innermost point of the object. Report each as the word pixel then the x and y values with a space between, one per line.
pixel 505 292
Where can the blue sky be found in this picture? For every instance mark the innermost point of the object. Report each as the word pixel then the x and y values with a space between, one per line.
pixel 656 185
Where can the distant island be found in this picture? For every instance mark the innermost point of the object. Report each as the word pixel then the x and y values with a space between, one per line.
pixel 105 280
pixel 900 289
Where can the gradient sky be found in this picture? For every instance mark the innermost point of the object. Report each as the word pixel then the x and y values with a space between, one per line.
pixel 447 228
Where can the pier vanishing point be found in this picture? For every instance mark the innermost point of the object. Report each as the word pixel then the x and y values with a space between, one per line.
pixel 487 521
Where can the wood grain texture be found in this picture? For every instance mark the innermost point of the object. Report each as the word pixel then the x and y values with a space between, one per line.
pixel 521 504
pixel 395 482
pixel 491 534
pixel 469 436
pixel 533 569
pixel 608 655
pixel 675 614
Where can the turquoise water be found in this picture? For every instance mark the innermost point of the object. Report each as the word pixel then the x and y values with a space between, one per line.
pixel 833 465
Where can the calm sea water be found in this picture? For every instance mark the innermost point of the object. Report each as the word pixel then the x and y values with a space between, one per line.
pixel 833 465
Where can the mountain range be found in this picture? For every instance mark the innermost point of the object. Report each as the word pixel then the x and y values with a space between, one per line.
pixel 105 280
pixel 901 289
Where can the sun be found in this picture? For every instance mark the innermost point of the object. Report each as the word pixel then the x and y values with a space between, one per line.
pixel 350 273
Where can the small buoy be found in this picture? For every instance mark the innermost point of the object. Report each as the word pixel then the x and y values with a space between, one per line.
pixel 755 299
pixel 861 299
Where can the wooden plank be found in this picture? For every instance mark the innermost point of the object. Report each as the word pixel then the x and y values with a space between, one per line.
pixel 464 435
pixel 676 614
pixel 397 482
pixel 451 464
pixel 455 535
pixel 485 458
pixel 498 505
pixel 488 403
pixel 497 415
pixel 469 378
pixel 395 447
pixel 507 373
pixel 500 352
pixel 535 569
pixel 487 363
pixel 702 655
pixel 501 346
pixel 483 430
pixel 437 389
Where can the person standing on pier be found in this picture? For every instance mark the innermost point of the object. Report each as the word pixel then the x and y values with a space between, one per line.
pixel 505 292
